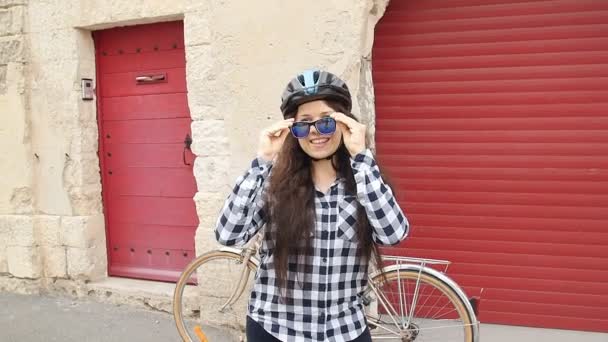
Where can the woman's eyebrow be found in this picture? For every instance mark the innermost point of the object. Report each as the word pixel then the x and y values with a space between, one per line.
pixel 308 115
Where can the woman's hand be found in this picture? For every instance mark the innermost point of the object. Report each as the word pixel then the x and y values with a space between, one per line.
pixel 353 133
pixel 272 139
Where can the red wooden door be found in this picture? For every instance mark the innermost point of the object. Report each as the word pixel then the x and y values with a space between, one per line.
pixel 148 183
pixel 492 118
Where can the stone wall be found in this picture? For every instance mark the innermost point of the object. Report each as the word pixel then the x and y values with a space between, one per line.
pixel 50 195
pixel 240 55
pixel 18 253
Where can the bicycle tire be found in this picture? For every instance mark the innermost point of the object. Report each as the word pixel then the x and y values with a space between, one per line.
pixel 421 327
pixel 227 257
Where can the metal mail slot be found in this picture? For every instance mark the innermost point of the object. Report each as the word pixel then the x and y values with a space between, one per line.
pixel 150 78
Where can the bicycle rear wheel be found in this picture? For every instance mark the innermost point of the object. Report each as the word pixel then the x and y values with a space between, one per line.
pixel 418 306
pixel 219 299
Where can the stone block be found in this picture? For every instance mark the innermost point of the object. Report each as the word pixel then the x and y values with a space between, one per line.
pixel 19 230
pixel 197 29
pixel 82 169
pixel 211 173
pixel 198 6
pixel 15 78
pixel 6 22
pixel 204 240
pixel 54 262
pixel 46 230
pixel 79 262
pixel 23 262
pixel 87 263
pixel 204 98
pixel 85 140
pixel 52 15
pixel 11 21
pixel 209 138
pixel 20 285
pixel 11 50
pixel 200 64
pixel 86 199
pixel 208 207
pixel 87 116
pixel 82 231
pixel 3 259
pixel 203 112
pixel 22 200
pixel 7 3
pixel 3 79
pixel 50 193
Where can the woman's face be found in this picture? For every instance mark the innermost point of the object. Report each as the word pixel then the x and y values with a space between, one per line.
pixel 318 146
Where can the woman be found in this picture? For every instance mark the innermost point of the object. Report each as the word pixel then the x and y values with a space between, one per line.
pixel 316 187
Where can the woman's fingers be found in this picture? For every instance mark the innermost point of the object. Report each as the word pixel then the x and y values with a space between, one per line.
pixel 349 122
pixel 345 130
pixel 278 128
pixel 271 138
pixel 353 132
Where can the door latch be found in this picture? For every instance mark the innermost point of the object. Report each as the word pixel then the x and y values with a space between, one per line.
pixel 187 145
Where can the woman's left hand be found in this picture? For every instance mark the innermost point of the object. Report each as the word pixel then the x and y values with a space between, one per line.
pixel 353 133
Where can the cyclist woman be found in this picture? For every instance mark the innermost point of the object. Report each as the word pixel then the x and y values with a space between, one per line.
pixel 317 188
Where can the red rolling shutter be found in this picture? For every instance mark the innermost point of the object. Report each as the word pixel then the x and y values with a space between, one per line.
pixel 492 119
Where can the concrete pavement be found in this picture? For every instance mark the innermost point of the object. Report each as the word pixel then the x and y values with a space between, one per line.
pixel 504 333
pixel 49 318
pixel 46 318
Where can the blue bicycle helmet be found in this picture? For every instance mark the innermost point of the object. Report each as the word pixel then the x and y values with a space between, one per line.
pixel 313 85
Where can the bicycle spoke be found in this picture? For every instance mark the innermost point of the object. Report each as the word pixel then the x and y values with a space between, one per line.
pixel 396 333
pixel 386 304
pixel 432 313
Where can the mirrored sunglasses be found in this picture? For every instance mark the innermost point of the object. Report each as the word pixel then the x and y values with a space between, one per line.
pixel 325 126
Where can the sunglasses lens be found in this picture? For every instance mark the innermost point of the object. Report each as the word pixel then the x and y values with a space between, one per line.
pixel 327 125
pixel 300 129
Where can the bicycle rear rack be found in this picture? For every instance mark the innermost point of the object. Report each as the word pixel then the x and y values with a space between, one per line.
pixel 412 260
pixel 422 262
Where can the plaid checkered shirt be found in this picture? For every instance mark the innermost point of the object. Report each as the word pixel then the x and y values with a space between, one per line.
pixel 326 306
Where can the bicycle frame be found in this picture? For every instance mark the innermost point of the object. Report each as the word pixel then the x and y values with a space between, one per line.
pixel 249 254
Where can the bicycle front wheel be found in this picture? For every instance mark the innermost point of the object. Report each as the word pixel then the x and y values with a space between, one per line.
pixel 218 299
pixel 409 305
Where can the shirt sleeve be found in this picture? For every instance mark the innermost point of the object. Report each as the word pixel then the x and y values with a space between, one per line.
pixel 389 224
pixel 243 213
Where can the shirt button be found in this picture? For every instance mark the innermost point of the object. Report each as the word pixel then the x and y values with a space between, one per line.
pixel 324 259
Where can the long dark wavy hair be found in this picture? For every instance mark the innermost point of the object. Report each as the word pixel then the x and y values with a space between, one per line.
pixel 290 206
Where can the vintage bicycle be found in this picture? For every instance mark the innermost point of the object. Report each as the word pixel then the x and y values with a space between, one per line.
pixel 409 299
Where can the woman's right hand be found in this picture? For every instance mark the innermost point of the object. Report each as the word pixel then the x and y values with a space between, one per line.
pixel 272 139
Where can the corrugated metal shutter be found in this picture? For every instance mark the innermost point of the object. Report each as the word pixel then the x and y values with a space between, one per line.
pixel 492 119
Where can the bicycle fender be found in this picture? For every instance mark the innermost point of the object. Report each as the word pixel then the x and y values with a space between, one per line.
pixel 239 251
